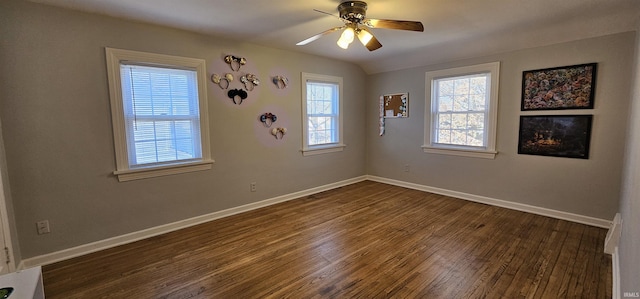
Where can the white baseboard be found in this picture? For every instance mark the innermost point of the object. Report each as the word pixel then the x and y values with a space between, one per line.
pixel 162 229
pixel 615 273
pixel 613 235
pixel 500 203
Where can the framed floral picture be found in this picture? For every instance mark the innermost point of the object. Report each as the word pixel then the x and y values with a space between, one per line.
pixel 566 87
pixel 555 135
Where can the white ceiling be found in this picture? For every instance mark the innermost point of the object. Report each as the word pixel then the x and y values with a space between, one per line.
pixel 454 29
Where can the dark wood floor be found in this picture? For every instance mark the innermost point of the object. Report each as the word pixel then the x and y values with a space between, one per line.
pixel 366 240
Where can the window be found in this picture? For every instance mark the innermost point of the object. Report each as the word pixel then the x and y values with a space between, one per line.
pixel 159 114
pixel 322 117
pixel 462 117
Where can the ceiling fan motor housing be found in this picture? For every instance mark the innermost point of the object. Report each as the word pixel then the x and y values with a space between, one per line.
pixel 354 11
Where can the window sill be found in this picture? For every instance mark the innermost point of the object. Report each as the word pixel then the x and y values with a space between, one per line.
pixel 151 172
pixel 324 149
pixel 484 154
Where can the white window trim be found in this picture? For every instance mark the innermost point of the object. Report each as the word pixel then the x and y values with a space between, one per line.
pixel 490 151
pixel 123 172
pixel 310 150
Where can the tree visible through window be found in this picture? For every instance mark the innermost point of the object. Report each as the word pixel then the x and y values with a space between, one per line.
pixel 461 110
pixel 322 114
pixel 464 111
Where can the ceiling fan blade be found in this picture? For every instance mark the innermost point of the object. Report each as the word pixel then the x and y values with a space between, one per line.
pixel 336 16
pixel 368 40
pixel 327 13
pixel 319 35
pixel 395 24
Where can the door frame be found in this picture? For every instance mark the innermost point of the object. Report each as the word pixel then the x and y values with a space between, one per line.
pixel 6 244
pixel 7 255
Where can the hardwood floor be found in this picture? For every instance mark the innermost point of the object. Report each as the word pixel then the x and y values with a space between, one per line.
pixel 366 240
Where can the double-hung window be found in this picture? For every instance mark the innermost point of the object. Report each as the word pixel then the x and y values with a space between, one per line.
pixel 462 115
pixel 159 115
pixel 322 115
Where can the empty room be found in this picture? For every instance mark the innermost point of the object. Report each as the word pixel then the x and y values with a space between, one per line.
pixel 320 149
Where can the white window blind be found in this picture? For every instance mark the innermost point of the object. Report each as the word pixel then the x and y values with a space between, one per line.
pixel 161 114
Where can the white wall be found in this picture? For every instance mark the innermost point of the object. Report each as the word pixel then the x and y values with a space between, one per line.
pixel 584 187
pixel 629 246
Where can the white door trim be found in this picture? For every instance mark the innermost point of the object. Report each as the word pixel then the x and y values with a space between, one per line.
pixel 7 260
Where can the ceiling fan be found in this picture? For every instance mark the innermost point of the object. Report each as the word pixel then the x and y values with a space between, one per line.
pixel 356 23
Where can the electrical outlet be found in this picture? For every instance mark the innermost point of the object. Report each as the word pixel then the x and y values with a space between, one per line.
pixel 406 168
pixel 252 186
pixel 43 227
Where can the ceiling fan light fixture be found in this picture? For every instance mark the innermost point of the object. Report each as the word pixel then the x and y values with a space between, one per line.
pixel 342 45
pixel 346 38
pixel 353 15
pixel 364 36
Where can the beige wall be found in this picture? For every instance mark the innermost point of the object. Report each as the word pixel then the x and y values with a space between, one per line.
pixel 585 187
pixel 630 204
pixel 56 125
pixel 56 121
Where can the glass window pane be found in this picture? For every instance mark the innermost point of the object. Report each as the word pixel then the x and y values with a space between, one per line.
pixel 461 86
pixel 163 114
pixel 445 104
pixel 166 150
pixel 321 130
pixel 459 121
pixel 461 103
pixel 322 102
pixel 477 102
pixel 145 152
pixel 183 129
pixel 163 130
pixel 478 85
pixel 461 106
pixel 143 131
pixel 475 137
pixel 185 149
pixel 444 136
pixel 444 121
pixel 475 121
pixel 459 137
pixel 445 87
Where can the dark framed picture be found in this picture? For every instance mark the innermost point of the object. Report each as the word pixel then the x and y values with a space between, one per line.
pixel 566 87
pixel 555 135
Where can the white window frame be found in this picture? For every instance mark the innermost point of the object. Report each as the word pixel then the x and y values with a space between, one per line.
pixel 488 151
pixel 123 170
pixel 307 149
